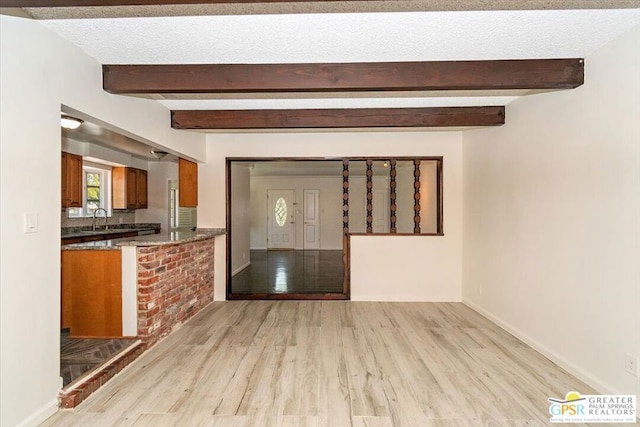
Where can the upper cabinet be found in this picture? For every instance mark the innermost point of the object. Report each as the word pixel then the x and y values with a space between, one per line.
pixel 141 189
pixel 129 186
pixel 187 183
pixel 71 180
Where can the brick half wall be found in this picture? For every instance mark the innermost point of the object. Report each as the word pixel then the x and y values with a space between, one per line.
pixel 174 283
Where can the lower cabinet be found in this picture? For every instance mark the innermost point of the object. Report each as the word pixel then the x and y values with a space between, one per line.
pixel 92 293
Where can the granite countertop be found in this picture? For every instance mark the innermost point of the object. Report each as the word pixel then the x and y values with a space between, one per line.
pixel 166 238
pixel 70 232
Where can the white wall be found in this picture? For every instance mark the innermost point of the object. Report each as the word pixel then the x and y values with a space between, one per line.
pixel 330 189
pixel 39 72
pixel 552 219
pixel 445 282
pixel 158 176
pixel 241 212
pixel 405 268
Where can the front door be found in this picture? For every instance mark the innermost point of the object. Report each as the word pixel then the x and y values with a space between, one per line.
pixel 311 209
pixel 280 219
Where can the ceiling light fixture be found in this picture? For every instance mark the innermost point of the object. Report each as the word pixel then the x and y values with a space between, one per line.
pixel 158 154
pixel 69 122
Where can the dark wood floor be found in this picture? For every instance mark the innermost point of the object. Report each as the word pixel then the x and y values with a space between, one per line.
pixel 291 272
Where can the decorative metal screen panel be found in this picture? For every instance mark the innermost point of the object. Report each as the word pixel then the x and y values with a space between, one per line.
pixel 280 212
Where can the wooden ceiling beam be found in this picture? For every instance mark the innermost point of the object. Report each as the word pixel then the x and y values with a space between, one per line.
pixel 345 77
pixel 338 118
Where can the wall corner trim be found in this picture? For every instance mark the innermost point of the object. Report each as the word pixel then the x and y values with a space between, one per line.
pixel 242 267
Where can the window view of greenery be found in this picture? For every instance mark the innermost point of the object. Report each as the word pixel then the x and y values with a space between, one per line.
pixel 96 192
pixel 93 191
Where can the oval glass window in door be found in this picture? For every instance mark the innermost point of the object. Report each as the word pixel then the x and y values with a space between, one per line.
pixel 280 211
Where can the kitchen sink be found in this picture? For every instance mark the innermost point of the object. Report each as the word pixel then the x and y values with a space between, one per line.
pixel 84 236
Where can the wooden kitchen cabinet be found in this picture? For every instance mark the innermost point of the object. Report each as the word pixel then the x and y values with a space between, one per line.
pixel 129 187
pixel 71 180
pixel 187 183
pixel 92 293
pixel 141 189
pixel 131 196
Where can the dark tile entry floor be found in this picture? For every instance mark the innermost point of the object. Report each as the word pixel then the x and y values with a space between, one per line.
pixel 299 272
pixel 80 356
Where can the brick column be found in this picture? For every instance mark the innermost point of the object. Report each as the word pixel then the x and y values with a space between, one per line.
pixel 174 283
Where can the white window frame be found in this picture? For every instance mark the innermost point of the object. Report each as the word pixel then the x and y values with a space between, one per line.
pixel 105 192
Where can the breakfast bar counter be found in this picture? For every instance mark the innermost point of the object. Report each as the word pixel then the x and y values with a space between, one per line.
pixel 139 286
pixel 163 238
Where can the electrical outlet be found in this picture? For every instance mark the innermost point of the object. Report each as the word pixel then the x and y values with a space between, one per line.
pixel 631 365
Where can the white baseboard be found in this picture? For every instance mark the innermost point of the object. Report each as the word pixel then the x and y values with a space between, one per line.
pixel 40 415
pixel 319 249
pixel 559 360
pixel 395 298
pixel 300 249
pixel 239 269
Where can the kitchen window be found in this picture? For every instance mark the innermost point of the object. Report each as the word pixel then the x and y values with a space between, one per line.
pixel 96 186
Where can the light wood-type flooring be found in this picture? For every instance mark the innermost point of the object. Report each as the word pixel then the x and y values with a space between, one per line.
pixel 331 363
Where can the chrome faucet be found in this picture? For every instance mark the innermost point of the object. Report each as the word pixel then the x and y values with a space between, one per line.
pixel 106 226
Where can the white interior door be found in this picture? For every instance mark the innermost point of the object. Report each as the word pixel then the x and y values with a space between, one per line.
pixel 280 219
pixel 380 211
pixel 311 218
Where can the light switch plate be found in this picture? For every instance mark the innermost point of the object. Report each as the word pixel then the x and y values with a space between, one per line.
pixel 30 222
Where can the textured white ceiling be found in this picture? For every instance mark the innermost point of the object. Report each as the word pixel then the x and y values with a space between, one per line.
pixel 331 6
pixel 416 36
pixel 346 37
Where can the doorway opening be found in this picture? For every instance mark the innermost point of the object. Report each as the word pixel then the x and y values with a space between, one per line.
pixel 96 161
pixel 332 200
pixel 285 229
